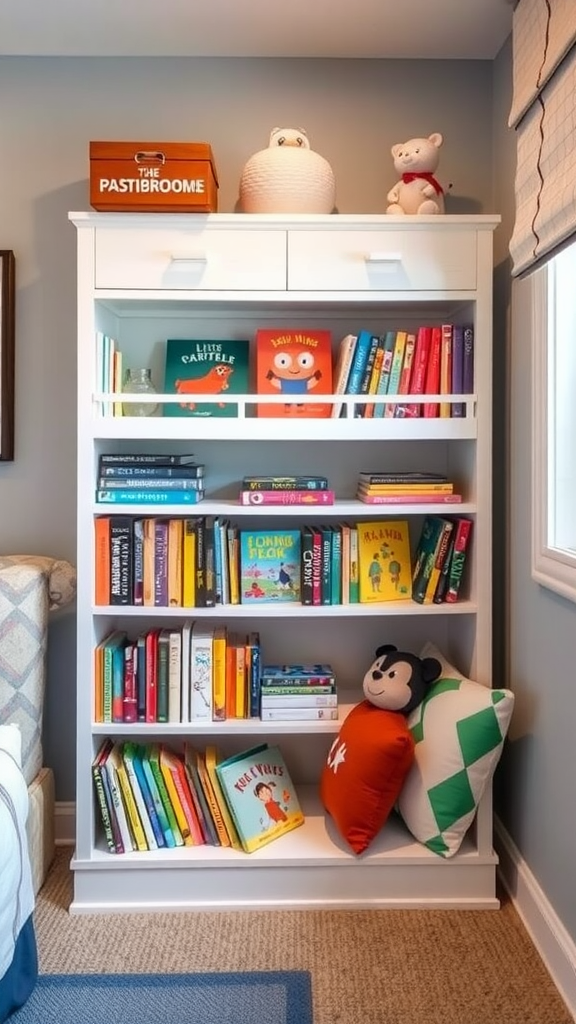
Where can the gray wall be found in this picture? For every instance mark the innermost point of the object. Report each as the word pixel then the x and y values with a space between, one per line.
pixel 535 795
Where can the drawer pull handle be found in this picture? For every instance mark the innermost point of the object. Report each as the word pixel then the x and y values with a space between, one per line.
pixel 383 257
pixel 188 257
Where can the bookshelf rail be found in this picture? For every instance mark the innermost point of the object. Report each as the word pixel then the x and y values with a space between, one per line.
pixel 126 286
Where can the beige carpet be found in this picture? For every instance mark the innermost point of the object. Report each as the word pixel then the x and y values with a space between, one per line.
pixel 368 967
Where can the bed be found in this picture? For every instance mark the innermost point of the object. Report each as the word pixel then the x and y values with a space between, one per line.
pixel 18 960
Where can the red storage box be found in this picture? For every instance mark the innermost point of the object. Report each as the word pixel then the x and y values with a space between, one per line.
pixel 153 177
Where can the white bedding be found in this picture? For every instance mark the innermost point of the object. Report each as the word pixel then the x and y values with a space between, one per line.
pixel 16 893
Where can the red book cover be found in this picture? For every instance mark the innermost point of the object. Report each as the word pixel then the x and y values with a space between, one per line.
pixel 432 386
pixel 462 532
pixel 316 566
pixel 297 497
pixel 420 366
pixel 152 675
pixel 294 363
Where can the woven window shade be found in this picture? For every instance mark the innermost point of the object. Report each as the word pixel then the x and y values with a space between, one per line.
pixel 544 115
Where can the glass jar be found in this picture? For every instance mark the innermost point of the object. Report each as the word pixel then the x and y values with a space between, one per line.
pixel 139 381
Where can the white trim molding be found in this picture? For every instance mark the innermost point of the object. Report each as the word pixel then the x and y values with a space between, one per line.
pixel 551 567
pixel 555 946
pixel 65 823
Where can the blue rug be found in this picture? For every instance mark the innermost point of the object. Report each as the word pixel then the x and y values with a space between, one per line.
pixel 252 997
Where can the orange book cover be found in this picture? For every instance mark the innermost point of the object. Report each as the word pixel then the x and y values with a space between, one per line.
pixel 230 679
pixel 102 560
pixel 175 575
pixel 294 362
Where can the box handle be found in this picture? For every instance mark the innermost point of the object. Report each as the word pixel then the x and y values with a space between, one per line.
pixel 188 256
pixel 145 156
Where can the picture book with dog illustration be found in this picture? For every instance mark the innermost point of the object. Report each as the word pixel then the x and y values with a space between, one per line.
pixel 205 368
pixel 269 566
pixel 294 363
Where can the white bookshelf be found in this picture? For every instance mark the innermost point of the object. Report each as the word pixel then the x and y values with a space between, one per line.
pixel 143 278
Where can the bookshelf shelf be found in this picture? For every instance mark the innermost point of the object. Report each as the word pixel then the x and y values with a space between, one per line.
pixel 302 272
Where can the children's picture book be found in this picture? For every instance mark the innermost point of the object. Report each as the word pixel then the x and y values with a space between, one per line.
pixel 205 368
pixel 269 566
pixel 294 363
pixel 384 561
pixel 260 795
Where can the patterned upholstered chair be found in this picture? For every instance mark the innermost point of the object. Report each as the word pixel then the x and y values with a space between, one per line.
pixel 30 586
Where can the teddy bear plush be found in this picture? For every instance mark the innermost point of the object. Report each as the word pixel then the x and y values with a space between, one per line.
pixel 417 190
pixel 374 750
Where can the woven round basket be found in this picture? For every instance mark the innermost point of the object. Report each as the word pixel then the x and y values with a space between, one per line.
pixel 286 179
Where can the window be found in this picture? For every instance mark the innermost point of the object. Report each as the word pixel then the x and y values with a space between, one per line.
pixel 554 425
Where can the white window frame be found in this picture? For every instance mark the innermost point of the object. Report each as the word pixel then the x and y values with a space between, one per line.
pixel 552 567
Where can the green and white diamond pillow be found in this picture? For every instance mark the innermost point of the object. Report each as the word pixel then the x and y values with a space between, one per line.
pixel 459 731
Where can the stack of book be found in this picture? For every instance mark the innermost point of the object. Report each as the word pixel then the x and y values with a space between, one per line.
pixel 151 797
pixel 285 490
pixel 376 488
pixel 149 479
pixel 292 693
pixel 440 559
pixel 432 360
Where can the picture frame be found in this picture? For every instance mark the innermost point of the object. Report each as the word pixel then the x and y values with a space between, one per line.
pixel 7 353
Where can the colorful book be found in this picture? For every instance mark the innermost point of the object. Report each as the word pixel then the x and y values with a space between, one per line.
pixel 149 474
pixel 446 369
pixel 103 805
pixel 293 714
pixel 458 408
pixel 468 368
pixel 342 370
pixel 405 384
pixel 301 482
pixel 375 378
pixel 298 675
pixel 361 355
pixel 145 459
pixel 269 566
pixel 432 384
pixel 205 368
pixel 364 389
pixel 294 363
pixel 148 496
pixel 260 795
pixel 201 659
pixel 102 560
pixel 409 498
pixel 420 368
pixel 433 530
pixel 116 796
pixel 462 532
pixel 211 761
pixel 153 758
pixel 395 370
pixel 377 477
pixel 383 380
pixel 287 497
pixel 299 700
pixel 384 561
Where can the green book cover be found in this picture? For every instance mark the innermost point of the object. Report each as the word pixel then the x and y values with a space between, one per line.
pixel 205 368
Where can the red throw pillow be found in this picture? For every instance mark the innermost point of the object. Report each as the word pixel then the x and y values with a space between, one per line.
pixel 365 770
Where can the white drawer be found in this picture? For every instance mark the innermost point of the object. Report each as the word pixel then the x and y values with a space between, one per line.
pixel 201 258
pixel 411 260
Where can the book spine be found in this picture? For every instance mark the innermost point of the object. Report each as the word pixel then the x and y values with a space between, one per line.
pixel 440 555
pixel 284 483
pixel 160 563
pixel 404 386
pixel 354 568
pixel 395 371
pixel 326 578
pixel 129 698
pixel 360 411
pixel 147 800
pixel 147 459
pixel 343 367
pixel 142 475
pixel 107 483
pixel 446 369
pixel 157 800
pixel 165 796
pixel 162 676
pixel 141 677
pixel 201 677
pixel 363 345
pixel 170 783
pixel 468 367
pixel 384 378
pixel 209 563
pixel 138 562
pixel 307 558
pixel 130 805
pixel 296 497
pixel 299 714
pixel 336 566
pixel 458 369
pixel 204 815
pixel 175 541
pixel 433 528
pixel 307 700
pixel 102 560
pixel 189 565
pixel 316 567
pixel 409 498
pixel 255 672
pixel 120 560
pixel 148 547
pixel 297 691
pixel 104 808
pixel 214 807
pixel 375 377
pixel 379 479
pixel 174 675
pixel 153 496
pixel 432 384
pixel 219 675
pixel 118 804
pixel 149 832
pixel 461 540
